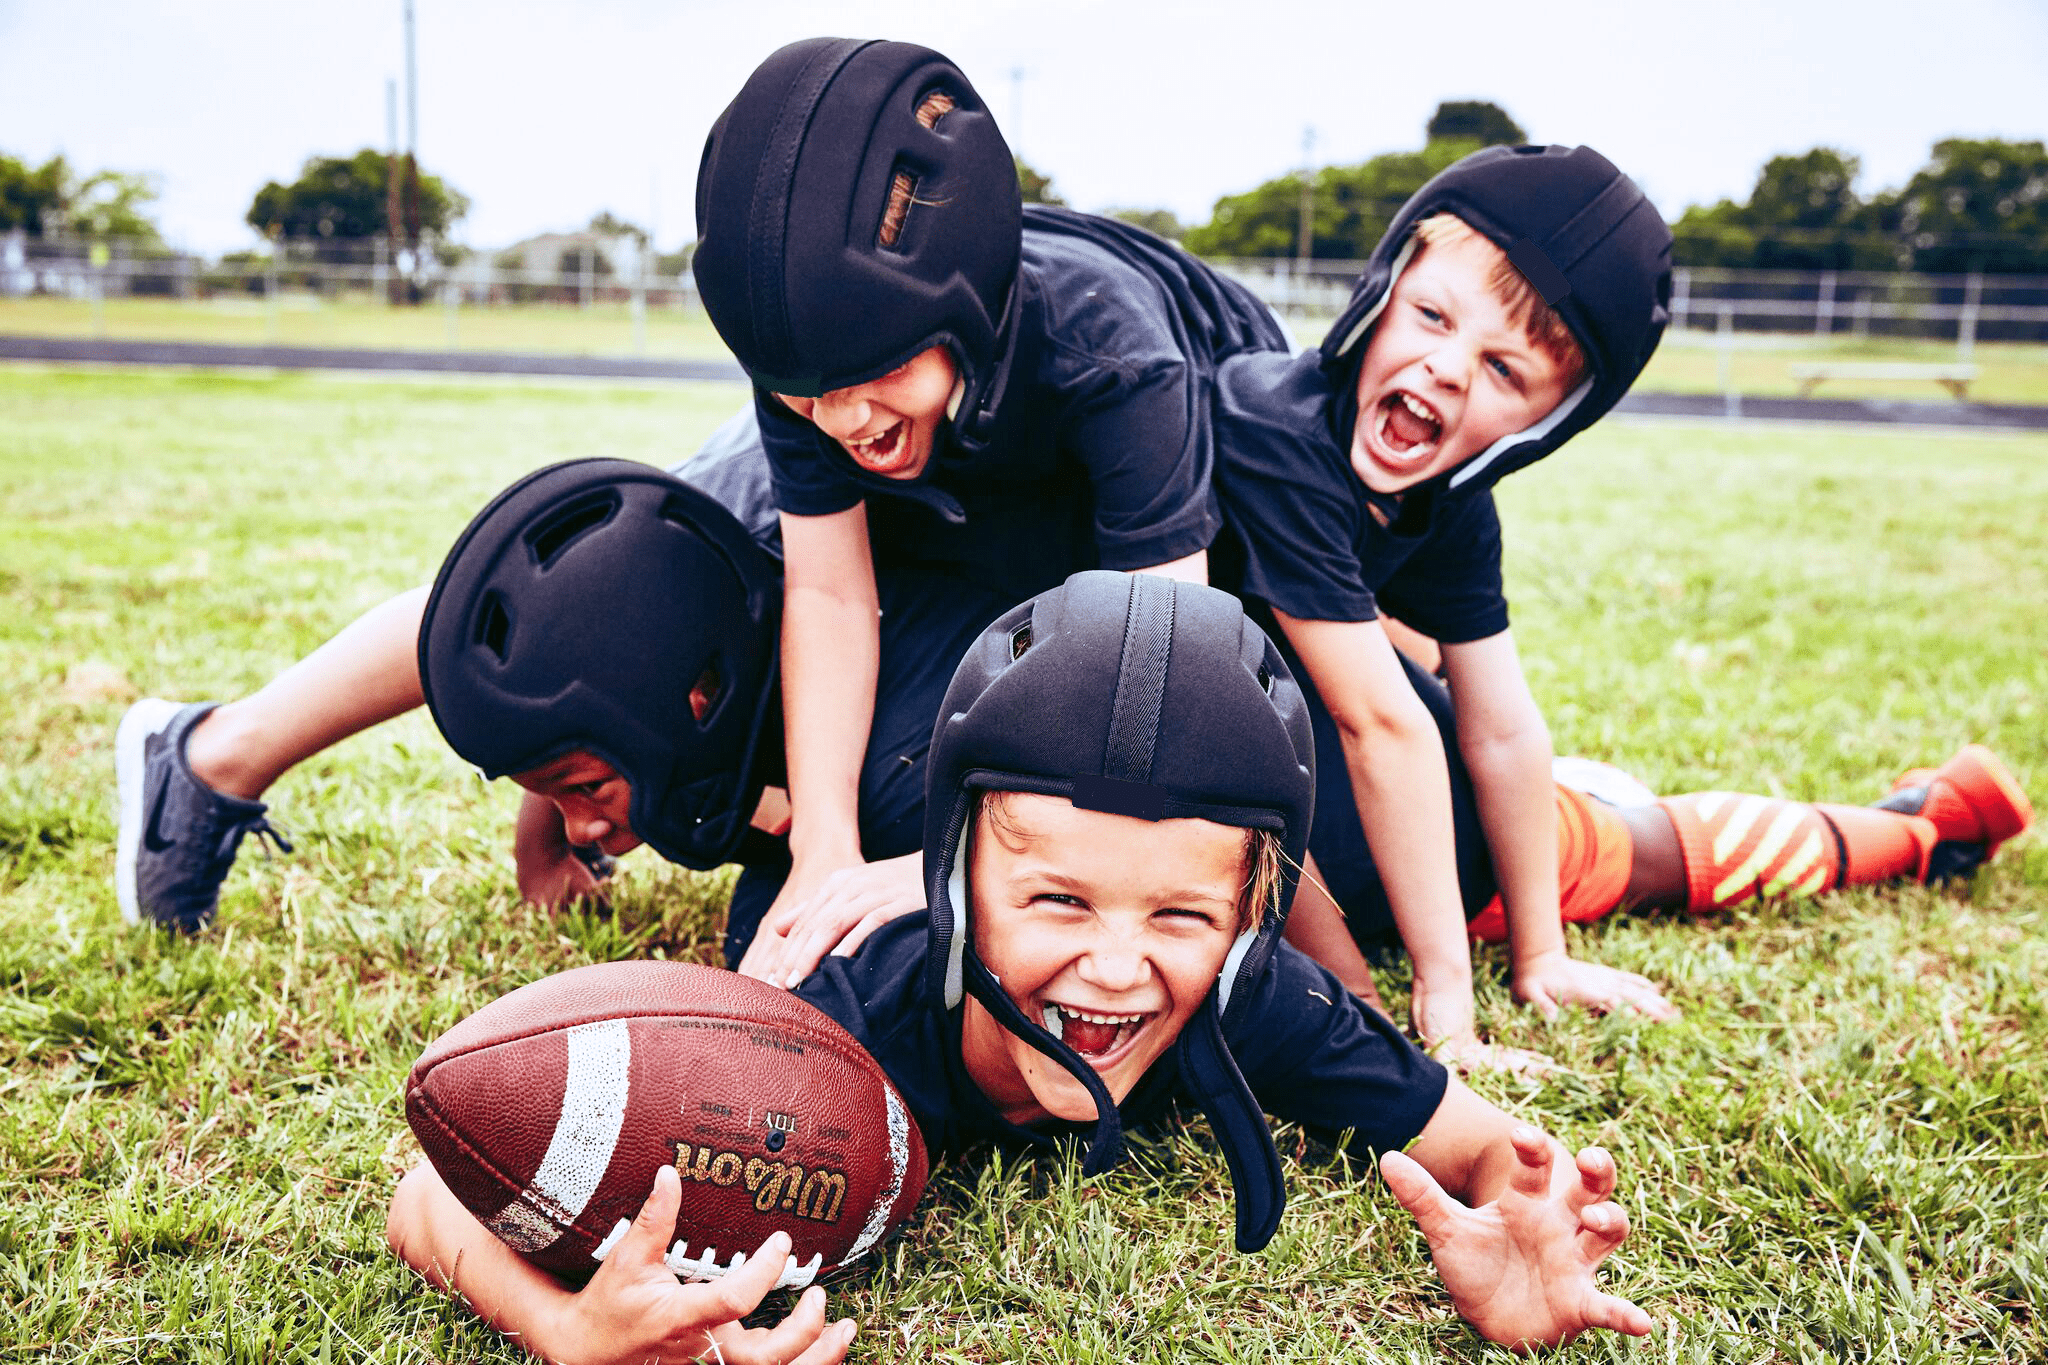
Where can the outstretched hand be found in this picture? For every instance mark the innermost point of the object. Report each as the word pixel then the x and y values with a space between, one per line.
pixel 634 1310
pixel 1554 980
pixel 1520 1269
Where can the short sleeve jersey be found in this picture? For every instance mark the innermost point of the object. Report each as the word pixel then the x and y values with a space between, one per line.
pixel 1310 1052
pixel 1103 448
pixel 1303 534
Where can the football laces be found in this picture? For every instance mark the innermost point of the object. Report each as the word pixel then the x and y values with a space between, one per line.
pixel 706 1267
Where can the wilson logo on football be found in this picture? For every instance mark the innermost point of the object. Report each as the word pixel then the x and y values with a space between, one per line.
pixel 816 1194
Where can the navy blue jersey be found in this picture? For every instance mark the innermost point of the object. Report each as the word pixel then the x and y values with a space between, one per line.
pixel 1306 537
pixel 1102 449
pixel 928 620
pixel 1310 1052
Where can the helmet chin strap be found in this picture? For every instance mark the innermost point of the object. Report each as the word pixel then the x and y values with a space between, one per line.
pixel 1106 1148
pixel 1211 1073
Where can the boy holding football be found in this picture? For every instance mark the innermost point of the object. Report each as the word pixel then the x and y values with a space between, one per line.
pixel 1119 792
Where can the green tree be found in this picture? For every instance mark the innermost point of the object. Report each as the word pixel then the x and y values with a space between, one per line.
pixel 1035 186
pixel 110 204
pixel 1159 222
pixel 608 224
pixel 1351 206
pixel 1978 204
pixel 1479 121
pixel 339 202
pixel 32 197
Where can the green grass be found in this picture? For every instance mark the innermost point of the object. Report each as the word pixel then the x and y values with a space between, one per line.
pixel 1836 1153
pixel 1687 363
pixel 355 321
pixel 2008 372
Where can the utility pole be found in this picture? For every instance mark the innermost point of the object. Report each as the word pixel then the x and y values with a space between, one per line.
pixel 1304 243
pixel 412 162
pixel 1016 105
pixel 394 214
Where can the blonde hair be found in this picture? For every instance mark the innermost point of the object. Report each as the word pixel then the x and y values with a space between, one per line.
pixel 1538 320
pixel 903 189
pixel 1265 862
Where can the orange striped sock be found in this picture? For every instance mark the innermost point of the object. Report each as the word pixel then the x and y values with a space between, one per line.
pixel 1737 847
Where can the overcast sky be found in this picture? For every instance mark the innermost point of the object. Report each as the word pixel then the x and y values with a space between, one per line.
pixel 545 113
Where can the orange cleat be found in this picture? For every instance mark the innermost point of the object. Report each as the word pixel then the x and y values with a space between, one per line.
pixel 1972 799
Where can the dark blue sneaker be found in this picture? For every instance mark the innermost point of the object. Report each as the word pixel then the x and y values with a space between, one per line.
pixel 178 835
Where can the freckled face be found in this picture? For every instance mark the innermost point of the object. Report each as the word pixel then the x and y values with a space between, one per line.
pixel 1108 930
pixel 1447 372
pixel 889 425
pixel 592 796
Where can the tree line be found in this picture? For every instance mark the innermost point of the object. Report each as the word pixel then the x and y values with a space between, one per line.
pixel 1977 204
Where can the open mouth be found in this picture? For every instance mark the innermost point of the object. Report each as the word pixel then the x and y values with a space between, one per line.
pixel 886 452
pixel 1096 1036
pixel 1406 428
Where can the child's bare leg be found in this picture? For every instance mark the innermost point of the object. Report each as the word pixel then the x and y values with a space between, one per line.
pixel 1710 850
pixel 365 675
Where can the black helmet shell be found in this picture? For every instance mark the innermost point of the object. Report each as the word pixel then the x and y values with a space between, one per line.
pixel 791 192
pixel 577 611
pixel 1142 696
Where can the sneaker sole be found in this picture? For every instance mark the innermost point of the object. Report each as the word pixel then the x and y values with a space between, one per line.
pixel 131 740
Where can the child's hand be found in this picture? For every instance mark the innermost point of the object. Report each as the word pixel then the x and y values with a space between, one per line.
pixel 550 871
pixel 1553 979
pixel 848 905
pixel 634 1310
pixel 1520 1269
pixel 1468 1054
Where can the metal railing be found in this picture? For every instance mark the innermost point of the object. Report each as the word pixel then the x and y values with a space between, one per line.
pixel 1823 305
pixel 1964 309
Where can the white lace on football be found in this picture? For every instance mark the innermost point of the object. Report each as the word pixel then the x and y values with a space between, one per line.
pixel 706 1267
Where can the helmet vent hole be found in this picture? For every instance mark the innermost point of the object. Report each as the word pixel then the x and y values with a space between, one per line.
pixel 705 692
pixel 494 626
pixel 549 539
pixel 1266 680
pixel 931 107
pixel 1020 640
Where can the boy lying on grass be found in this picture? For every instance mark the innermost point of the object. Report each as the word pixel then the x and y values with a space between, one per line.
pixel 1510 305
pixel 1120 790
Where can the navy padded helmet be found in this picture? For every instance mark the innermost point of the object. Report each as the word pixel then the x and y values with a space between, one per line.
pixel 579 610
pixel 1141 696
pixel 1586 238
pixel 791 193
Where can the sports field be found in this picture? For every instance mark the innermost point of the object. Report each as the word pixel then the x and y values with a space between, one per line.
pixel 1686 363
pixel 1840 1152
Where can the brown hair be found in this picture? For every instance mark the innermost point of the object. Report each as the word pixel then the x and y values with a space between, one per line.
pixel 1538 320
pixel 1264 860
pixel 903 189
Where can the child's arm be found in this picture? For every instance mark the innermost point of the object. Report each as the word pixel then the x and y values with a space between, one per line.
pixel 831 656
pixel 1395 759
pixel 1506 748
pixel 632 1310
pixel 1518 1254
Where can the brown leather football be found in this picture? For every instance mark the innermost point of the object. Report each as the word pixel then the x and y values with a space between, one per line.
pixel 547 1113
